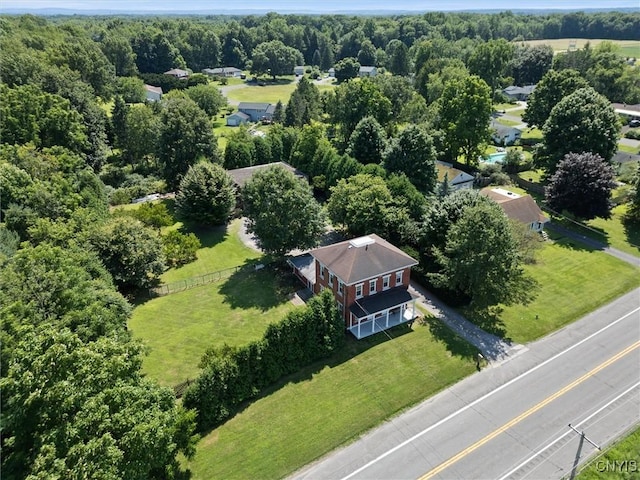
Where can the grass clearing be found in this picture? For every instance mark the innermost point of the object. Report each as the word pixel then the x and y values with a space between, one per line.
pixel 573 281
pixel 624 450
pixel 498 107
pixel 331 403
pixel 628 48
pixel 268 93
pixel 532 175
pixel 516 113
pixel 180 327
pixel 628 148
pixel 507 122
pixel 532 133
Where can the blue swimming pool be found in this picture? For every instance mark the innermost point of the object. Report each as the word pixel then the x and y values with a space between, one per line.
pixel 497 157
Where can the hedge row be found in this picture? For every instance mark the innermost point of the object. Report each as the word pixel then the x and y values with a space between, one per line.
pixel 234 375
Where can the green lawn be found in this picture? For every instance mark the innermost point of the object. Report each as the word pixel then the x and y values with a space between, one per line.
pixel 268 93
pixel 516 113
pixel 532 175
pixel 507 122
pixel 573 281
pixel 221 248
pixel 615 232
pixel 498 107
pixel 179 327
pixel 532 133
pixel 602 467
pixel 628 48
pixel 332 403
pixel 628 148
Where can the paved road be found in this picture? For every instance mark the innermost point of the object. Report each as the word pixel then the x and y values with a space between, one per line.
pixel 511 420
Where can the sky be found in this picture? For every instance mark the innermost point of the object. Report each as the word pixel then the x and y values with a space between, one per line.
pixel 312 6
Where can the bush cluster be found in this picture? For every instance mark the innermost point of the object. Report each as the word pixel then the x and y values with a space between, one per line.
pixel 234 375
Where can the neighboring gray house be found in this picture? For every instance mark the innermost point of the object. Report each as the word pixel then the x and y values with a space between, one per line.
pixel 519 93
pixel 177 72
pixel 257 111
pixel 299 70
pixel 222 72
pixel 240 176
pixel 153 94
pixel 504 134
pixel 237 118
pixel 367 71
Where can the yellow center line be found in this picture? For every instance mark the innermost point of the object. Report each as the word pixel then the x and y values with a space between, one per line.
pixel 529 412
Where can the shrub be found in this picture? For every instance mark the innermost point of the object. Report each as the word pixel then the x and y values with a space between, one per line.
pixel 179 248
pixel 633 134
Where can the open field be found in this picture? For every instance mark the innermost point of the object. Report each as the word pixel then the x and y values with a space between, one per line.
pixel 507 122
pixel 628 48
pixel 603 466
pixel 270 93
pixel 330 403
pixel 573 280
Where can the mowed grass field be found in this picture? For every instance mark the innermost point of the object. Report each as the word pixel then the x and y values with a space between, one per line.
pixel 270 93
pixel 628 48
pixel 573 280
pixel 331 403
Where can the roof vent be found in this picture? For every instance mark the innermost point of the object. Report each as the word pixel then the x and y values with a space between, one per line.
pixel 361 242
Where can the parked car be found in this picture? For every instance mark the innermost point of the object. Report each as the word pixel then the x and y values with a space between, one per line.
pixel 634 123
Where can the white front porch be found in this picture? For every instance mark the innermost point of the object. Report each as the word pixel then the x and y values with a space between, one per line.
pixel 363 325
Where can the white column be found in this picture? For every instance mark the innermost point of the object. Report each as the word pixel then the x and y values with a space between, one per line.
pixel 387 319
pixel 373 323
pixel 359 322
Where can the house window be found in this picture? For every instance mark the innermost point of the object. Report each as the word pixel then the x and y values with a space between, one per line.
pixel 399 278
pixel 322 271
pixel 340 287
pixel 340 307
pixel 372 287
pixel 331 280
pixel 359 288
pixel 385 281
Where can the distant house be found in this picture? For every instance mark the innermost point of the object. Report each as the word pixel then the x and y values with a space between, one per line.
pixel 369 278
pixel 521 208
pixel 240 176
pixel 153 94
pixel 504 134
pixel 299 70
pixel 257 111
pixel 222 72
pixel 367 71
pixel 518 93
pixel 458 179
pixel 177 73
pixel 237 118
pixel 332 72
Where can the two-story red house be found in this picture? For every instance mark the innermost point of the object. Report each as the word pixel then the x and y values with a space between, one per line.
pixel 369 278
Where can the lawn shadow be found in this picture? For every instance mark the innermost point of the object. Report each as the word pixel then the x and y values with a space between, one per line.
pixel 208 236
pixel 566 238
pixel 632 233
pixel 455 344
pixel 256 285
pixel 489 320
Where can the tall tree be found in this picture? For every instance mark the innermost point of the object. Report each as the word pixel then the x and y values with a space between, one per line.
pixel 399 63
pixel 186 135
pixel 130 251
pixel 208 98
pixel 207 194
pixel 582 185
pixel 530 63
pixel 368 141
pixel 304 104
pixel 281 211
pixel 465 111
pixel 275 58
pixel 481 259
pixel 154 52
pixel 346 69
pixel 554 86
pixel 412 153
pixel 490 61
pixel 119 52
pixel 583 121
pixel 367 53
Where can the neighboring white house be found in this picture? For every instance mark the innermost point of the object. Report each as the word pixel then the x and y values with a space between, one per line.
pixel 177 73
pixel 367 71
pixel 299 70
pixel 332 72
pixel 257 111
pixel 222 72
pixel 504 134
pixel 153 94
pixel 519 93
pixel 237 118
pixel 522 208
pixel 457 179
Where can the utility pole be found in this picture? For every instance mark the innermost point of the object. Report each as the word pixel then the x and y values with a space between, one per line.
pixel 585 437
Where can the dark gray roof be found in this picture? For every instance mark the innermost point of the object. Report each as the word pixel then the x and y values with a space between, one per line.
pixel 254 106
pixel 354 264
pixel 241 176
pixel 381 301
pixel 513 90
pixel 306 265
pixel 502 129
pixel 242 115
pixel 214 71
